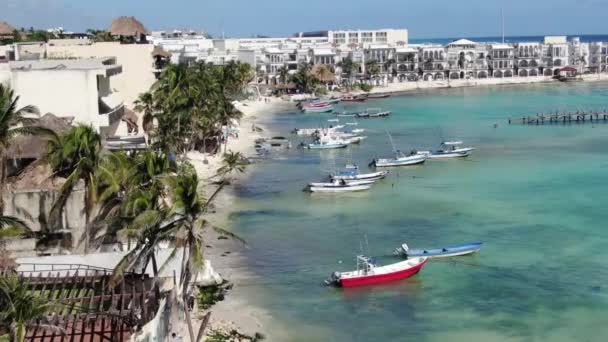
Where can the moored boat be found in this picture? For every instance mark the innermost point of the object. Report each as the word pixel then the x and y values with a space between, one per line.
pixel 378 96
pixel 343 188
pixel 353 174
pixel 338 183
pixel 325 108
pixel 440 252
pixel 353 99
pixel 450 149
pixel 400 159
pixel 369 273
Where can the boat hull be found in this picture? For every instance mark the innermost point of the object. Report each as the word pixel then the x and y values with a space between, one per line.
pixel 367 176
pixel 340 189
pixel 444 252
pixel 372 279
pixel 348 183
pixel 397 162
pixel 325 147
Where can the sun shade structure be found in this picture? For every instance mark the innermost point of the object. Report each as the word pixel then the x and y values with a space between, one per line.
pixel 6 30
pixel 127 27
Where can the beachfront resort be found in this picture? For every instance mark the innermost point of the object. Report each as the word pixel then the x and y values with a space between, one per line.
pixel 122 154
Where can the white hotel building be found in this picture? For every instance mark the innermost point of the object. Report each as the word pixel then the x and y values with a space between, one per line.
pixel 398 60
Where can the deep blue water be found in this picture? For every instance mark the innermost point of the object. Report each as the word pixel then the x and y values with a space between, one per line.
pixel 509 39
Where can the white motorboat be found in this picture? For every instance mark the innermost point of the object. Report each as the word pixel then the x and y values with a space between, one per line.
pixel 328 142
pixel 344 188
pixel 400 159
pixel 450 149
pixel 355 140
pixel 338 183
pixel 319 130
pixel 353 174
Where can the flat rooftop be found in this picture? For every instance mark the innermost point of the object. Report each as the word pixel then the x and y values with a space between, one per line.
pixel 65 64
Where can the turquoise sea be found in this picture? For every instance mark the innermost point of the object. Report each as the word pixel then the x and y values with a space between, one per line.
pixel 535 195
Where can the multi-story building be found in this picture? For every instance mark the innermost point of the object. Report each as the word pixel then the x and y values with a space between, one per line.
pixel 501 60
pixel 598 56
pixel 528 59
pixel 395 59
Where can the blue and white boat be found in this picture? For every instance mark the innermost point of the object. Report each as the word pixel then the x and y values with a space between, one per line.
pixel 449 149
pixel 351 172
pixel 440 252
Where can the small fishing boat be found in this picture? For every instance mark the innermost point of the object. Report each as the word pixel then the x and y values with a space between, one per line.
pixel 378 96
pixel 450 149
pixel 352 173
pixel 319 130
pixel 338 189
pixel 368 272
pixel 372 113
pixel 325 108
pixel 326 145
pixel 332 100
pixel 441 252
pixel 400 159
pixel 338 183
pixel 355 139
pixel 353 99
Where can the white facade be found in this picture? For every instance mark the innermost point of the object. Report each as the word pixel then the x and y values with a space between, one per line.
pixel 69 88
pixel 367 37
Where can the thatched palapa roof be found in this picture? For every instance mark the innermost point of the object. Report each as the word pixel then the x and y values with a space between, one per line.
pixel 127 26
pixel 6 29
pixel 160 52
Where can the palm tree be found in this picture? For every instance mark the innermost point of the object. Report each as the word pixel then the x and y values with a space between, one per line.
pixel 145 105
pixel 304 79
pixel 283 73
pixel 21 309
pixel 372 68
pixel 13 122
pixel 11 226
pixel 76 156
pixel 349 69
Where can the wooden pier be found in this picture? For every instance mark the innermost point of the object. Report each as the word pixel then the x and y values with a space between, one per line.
pixel 563 118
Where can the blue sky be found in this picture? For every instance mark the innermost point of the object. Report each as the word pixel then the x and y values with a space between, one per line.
pixel 244 18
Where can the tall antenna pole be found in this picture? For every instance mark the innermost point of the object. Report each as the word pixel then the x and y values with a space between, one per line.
pixel 502 17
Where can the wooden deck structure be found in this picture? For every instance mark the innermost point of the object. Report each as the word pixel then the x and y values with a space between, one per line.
pixel 563 118
pixel 87 307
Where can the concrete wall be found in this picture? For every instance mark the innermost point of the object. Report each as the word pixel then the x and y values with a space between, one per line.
pixel 34 206
pixel 136 61
pixel 61 92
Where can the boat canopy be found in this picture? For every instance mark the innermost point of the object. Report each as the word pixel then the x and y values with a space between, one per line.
pixel 452 143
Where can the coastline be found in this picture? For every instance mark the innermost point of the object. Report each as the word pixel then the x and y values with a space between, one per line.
pixel 235 312
pixel 406 87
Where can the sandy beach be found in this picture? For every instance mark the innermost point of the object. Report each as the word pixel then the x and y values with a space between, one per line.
pixel 235 312
pixel 403 87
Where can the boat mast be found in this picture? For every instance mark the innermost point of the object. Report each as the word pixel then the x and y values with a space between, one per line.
pixel 390 138
pixel 502 17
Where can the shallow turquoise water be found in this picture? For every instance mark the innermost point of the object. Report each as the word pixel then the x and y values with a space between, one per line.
pixel 535 195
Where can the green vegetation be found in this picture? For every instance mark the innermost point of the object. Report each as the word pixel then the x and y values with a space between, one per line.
pixel 14 122
pixel 365 87
pixel 147 197
pixel 190 104
pixel 20 309
pixel 209 295
pixel 304 79
pixel 349 70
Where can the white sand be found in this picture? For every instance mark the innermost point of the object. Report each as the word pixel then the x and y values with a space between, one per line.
pixel 235 312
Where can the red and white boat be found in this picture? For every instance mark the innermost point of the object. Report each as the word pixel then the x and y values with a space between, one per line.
pixel 369 273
